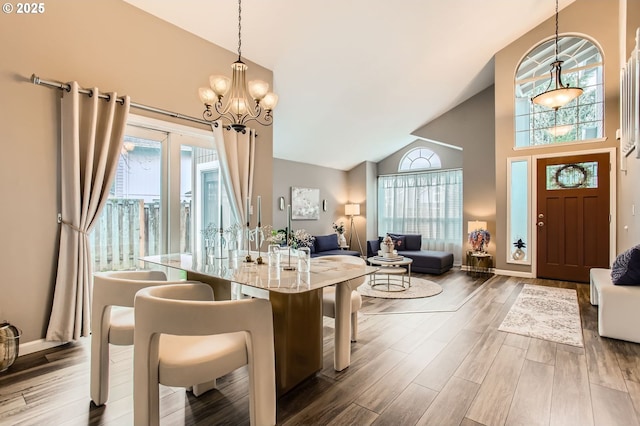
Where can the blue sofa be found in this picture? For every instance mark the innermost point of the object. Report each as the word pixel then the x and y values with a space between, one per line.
pixel 410 245
pixel 327 245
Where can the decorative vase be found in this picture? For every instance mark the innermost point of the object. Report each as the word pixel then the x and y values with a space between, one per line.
pixel 209 250
pixel 233 250
pixel 518 254
pixel 342 240
pixel 9 345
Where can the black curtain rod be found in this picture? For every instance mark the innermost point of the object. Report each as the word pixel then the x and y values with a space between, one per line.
pixel 37 80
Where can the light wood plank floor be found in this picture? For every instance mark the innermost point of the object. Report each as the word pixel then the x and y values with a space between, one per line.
pixel 434 361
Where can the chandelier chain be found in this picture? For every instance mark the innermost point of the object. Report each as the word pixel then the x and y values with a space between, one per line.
pixel 556 30
pixel 240 29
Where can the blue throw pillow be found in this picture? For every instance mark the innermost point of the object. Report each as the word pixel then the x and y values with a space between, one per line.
pixel 327 242
pixel 413 242
pixel 626 268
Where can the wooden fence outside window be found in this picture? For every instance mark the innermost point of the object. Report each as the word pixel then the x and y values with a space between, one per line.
pixel 129 229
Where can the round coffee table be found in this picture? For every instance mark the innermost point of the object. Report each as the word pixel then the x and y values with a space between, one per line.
pixel 397 268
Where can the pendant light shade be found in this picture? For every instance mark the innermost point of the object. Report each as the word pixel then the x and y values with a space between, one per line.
pixel 561 94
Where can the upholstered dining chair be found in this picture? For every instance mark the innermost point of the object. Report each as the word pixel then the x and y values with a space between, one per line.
pixel 117 290
pixel 183 336
pixel 329 294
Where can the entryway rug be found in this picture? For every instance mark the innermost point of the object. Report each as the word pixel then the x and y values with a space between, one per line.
pixel 419 288
pixel 547 313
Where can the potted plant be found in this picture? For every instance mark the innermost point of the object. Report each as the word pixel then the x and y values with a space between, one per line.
pixel 518 253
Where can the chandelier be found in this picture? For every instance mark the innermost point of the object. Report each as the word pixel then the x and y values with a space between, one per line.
pixel 561 94
pixel 245 102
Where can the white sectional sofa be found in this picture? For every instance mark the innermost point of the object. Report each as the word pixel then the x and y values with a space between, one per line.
pixel 618 306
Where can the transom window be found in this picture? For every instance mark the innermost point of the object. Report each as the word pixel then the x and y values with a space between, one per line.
pixel 420 159
pixel 579 120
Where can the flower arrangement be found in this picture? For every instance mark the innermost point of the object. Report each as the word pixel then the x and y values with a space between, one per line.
pixel 479 239
pixel 300 238
pixel 387 242
pixel 339 228
pixel 275 236
pixel 232 233
pixel 210 232
pixel 297 238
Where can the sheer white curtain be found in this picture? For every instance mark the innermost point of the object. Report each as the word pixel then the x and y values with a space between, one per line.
pixel 236 153
pixel 428 203
pixel 92 133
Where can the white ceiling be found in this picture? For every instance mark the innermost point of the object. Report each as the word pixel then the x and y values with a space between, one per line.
pixel 355 78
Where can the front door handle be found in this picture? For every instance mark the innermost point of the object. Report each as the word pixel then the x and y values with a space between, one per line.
pixel 541 224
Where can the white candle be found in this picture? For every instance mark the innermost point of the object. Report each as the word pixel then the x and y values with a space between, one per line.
pixel 288 222
pixel 259 212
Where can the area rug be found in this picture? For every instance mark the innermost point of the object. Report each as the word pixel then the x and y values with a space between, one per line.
pixel 546 313
pixel 419 288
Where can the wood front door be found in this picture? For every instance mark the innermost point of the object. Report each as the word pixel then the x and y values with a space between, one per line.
pixel 573 216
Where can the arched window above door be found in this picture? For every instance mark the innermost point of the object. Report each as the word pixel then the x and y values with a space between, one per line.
pixel 580 120
pixel 420 159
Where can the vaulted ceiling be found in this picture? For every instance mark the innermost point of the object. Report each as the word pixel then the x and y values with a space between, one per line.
pixel 357 77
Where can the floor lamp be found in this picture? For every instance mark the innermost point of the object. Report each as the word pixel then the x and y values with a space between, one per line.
pixel 353 210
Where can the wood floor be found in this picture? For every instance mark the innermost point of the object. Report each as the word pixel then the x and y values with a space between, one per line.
pixel 448 366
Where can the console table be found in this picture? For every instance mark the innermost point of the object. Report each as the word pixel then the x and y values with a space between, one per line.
pixel 479 262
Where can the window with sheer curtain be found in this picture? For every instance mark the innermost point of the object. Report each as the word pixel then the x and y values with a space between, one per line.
pixel 428 203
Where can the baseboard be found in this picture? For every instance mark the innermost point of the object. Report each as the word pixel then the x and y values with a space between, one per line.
pixel 37 346
pixel 507 272
pixel 517 274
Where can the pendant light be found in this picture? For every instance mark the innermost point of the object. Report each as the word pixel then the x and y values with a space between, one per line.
pixel 561 94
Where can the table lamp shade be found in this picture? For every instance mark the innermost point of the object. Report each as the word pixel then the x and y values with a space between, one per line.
pixel 352 209
pixel 474 225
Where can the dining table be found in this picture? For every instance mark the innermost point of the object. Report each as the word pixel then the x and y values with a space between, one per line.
pixel 296 300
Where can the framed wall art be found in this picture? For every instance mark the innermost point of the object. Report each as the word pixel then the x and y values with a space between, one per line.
pixel 305 203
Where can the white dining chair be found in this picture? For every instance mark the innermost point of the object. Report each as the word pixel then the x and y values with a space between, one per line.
pixel 329 294
pixel 112 320
pixel 183 336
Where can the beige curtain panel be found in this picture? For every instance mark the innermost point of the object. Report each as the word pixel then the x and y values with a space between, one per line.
pixel 236 153
pixel 92 134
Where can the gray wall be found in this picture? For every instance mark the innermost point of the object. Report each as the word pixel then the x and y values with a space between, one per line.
pixel 357 179
pixel 332 184
pixel 116 47
pixel 476 138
